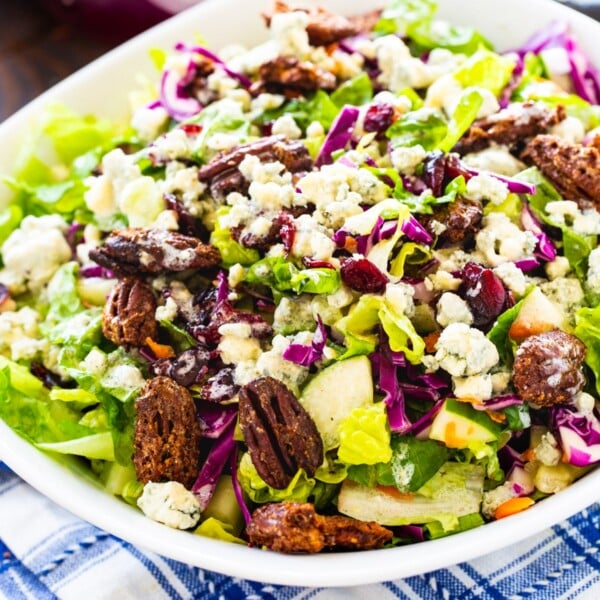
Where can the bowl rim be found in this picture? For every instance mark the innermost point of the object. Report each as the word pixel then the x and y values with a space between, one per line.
pixel 87 500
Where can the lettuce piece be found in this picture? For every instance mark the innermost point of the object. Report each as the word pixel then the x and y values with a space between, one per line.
pixel 232 252
pixel 423 203
pixel 485 69
pixel 454 491
pixel 427 35
pixel 587 329
pixel 261 492
pixel 417 127
pixel 498 334
pixel 10 218
pixel 98 446
pixel 415 462
pixel 462 118
pixel 399 15
pixel 283 276
pixel 356 91
pixel 218 530
pixel 365 436
pixel 402 336
pixel 411 254
pixel 435 530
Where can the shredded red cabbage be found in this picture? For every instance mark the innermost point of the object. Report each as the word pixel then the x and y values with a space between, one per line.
pixel 545 249
pixel 579 435
pixel 215 418
pixel 173 96
pixel 222 287
pixel 96 271
pixel 390 386
pixel 339 135
pixel 499 402
pixel 416 232
pixel 306 355
pixel 527 264
pixel 215 58
pixel 213 466
pixel 420 428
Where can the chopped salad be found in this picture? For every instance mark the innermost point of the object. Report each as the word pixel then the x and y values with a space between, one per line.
pixel 338 291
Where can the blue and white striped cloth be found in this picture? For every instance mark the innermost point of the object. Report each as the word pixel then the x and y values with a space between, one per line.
pixel 47 552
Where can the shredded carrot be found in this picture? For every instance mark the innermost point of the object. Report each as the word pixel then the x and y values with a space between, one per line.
pixel 496 416
pixel 528 455
pixel 451 437
pixel 351 244
pixel 431 340
pixel 390 490
pixel 160 350
pixel 513 506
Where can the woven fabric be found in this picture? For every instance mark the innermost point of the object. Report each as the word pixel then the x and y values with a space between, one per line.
pixel 49 553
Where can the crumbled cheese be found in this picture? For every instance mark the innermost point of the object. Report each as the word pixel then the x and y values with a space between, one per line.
pixel 167 312
pixel 293 314
pixel 475 387
pixel 267 101
pixel 166 219
pixel 559 267
pixel 172 145
pixel 400 297
pixel 584 403
pixel 451 308
pixel 19 334
pixel 442 281
pixel 571 130
pixel 236 275
pixel 123 377
pixel 289 31
pixel 500 381
pixel 487 187
pixel 547 450
pixel 566 212
pixel 407 159
pixel 312 240
pixel 285 125
pixel 494 498
pixel 512 277
pixel 399 69
pixel 33 252
pixel 444 93
pixel 566 292
pixel 496 159
pixel 237 344
pixel 463 351
pixel 149 122
pixel 315 130
pixel 171 504
pixel 95 362
pixel 502 241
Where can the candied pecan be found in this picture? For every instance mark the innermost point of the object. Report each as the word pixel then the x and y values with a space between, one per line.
pixel 294 527
pixel 137 250
pixel 292 77
pixel 167 434
pixel 128 315
pixel 573 169
pixel 280 435
pixel 282 229
pixel 198 88
pixel 461 220
pixel 365 22
pixel 548 368
pixel 223 174
pixel 323 27
pixel 510 126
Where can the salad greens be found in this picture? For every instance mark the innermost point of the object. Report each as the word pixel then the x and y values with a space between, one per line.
pixel 400 219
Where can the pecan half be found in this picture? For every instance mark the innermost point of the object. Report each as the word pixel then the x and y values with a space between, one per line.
pixel 167 434
pixel 224 176
pixel 573 169
pixel 323 28
pixel 294 527
pixel 511 126
pixel 137 250
pixel 128 315
pixel 292 77
pixel 280 435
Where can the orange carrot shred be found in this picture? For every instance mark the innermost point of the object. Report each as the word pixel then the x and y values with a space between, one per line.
pixel 528 455
pixel 431 340
pixel 512 507
pixel 390 490
pixel 160 350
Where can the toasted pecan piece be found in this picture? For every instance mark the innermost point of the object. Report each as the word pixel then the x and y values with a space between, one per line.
pixel 512 127
pixel 461 219
pixel 281 436
pixel 167 433
pixel 292 77
pixel 294 527
pixel 548 368
pixel 128 315
pixel 323 27
pixel 573 169
pixel 137 250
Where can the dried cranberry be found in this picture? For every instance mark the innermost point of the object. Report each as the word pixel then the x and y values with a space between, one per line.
pixel 312 263
pixel 287 231
pixel 434 170
pixel 191 128
pixel 186 369
pixel 363 276
pixel 187 223
pixel 379 117
pixel 48 378
pixel 483 292
pixel 220 387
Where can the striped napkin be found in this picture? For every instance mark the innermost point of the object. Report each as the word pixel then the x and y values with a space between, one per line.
pixel 47 553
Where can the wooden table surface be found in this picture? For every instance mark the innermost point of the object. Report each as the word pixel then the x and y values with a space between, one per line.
pixel 37 51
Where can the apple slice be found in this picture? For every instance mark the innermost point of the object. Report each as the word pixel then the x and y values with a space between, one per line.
pixel 538 314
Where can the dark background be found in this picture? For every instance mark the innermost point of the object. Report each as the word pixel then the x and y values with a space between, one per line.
pixel 43 41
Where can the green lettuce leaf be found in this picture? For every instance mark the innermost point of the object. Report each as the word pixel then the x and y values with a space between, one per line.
pixel 425 127
pixel 459 39
pixel 399 15
pixel 462 118
pixel 498 334
pixel 485 69
pixel 365 436
pixel 217 530
pixel 356 91
pixel 232 252
pixel 587 329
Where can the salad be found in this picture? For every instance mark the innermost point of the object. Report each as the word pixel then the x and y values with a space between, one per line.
pixel 339 291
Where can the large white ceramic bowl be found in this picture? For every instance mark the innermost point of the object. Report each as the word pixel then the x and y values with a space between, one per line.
pixel 101 88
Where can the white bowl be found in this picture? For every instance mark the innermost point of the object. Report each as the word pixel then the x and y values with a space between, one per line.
pixel 101 88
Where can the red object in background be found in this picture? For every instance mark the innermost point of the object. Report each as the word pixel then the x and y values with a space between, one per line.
pixel 110 20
